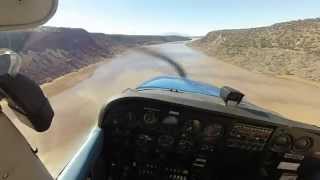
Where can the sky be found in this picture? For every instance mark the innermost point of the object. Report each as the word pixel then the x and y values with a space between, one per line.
pixel 186 17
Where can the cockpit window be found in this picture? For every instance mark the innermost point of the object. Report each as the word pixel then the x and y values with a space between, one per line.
pixel 92 50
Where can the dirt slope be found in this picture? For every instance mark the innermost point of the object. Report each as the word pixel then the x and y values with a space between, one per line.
pixel 289 48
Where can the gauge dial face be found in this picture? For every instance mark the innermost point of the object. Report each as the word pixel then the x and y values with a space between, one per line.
pixel 185 145
pixel 282 143
pixel 170 120
pixel 196 126
pixel 213 131
pixel 302 144
pixel 165 141
pixel 143 140
pixel 150 117
pixel 127 119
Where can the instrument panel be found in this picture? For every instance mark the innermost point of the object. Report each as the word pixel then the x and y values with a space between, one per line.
pixel 185 131
pixel 154 138
pixel 167 130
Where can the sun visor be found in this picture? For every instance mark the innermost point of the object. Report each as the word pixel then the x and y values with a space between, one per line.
pixel 22 14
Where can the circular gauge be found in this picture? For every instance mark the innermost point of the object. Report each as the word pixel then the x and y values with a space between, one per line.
pixel 196 125
pixel 302 144
pixel 282 142
pixel 150 117
pixel 213 131
pixel 165 141
pixel 185 145
pixel 127 119
pixel 143 140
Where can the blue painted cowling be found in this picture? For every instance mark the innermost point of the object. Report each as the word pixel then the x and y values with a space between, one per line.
pixel 180 84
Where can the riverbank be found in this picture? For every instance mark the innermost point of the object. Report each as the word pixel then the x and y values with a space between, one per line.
pixel 294 98
pixel 69 80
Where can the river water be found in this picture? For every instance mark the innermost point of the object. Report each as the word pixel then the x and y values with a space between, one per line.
pixel 77 108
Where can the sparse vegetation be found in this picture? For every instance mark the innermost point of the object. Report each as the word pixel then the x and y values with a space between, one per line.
pixel 289 48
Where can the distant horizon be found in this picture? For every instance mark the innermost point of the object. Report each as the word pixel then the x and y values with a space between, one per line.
pixel 144 17
pixel 186 17
pixel 177 33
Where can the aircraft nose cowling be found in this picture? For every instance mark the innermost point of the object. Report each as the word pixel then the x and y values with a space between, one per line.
pixel 180 84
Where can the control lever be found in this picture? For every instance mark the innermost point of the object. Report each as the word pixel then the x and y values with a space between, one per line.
pixel 230 94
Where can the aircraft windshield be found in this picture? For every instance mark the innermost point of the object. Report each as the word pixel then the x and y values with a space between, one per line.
pixel 91 50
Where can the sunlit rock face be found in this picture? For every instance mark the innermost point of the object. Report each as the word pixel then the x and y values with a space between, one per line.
pixel 49 52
